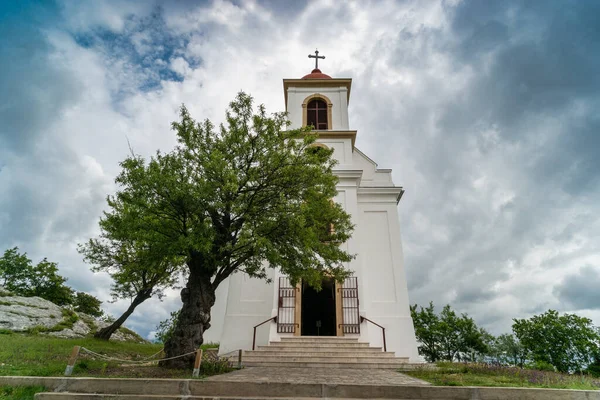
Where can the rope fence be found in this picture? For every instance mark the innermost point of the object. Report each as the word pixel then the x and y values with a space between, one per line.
pixel 210 355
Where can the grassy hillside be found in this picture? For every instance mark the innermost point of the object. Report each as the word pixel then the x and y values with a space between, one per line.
pixel 40 355
pixel 457 374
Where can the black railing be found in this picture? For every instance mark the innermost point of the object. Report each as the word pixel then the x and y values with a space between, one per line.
pixel 256 326
pixel 376 324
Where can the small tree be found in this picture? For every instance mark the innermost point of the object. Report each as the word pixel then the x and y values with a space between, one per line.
pixel 21 277
pixel 164 329
pixel 245 197
pixel 46 283
pixel 508 349
pixel 568 342
pixel 15 270
pixel 139 271
pixel 426 323
pixel 88 304
pixel 448 336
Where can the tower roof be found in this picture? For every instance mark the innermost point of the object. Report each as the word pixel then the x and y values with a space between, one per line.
pixel 316 74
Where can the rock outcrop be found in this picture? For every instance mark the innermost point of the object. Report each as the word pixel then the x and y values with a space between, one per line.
pixel 36 315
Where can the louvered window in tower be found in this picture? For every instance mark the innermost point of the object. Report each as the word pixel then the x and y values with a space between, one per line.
pixel 317 114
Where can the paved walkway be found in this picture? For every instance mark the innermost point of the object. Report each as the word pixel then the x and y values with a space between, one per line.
pixel 333 376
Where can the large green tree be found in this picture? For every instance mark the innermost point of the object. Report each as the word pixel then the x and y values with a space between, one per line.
pixel 243 197
pixel 568 342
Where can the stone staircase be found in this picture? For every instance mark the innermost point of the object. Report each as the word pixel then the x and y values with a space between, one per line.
pixel 321 352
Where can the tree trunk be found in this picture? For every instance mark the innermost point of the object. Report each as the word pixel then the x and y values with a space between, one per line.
pixel 106 333
pixel 198 297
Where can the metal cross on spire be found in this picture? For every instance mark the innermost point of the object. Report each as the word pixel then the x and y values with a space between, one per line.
pixel 316 57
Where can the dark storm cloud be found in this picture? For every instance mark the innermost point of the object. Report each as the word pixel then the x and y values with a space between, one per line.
pixel 34 88
pixel 549 67
pixel 580 291
pixel 284 9
pixel 524 122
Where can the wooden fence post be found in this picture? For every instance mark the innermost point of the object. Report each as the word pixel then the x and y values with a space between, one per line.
pixel 197 362
pixel 72 360
pixel 240 359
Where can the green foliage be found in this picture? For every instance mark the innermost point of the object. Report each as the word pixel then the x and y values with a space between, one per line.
pixel 214 367
pixel 140 269
pixel 21 277
pixel 448 336
pixel 87 304
pixel 164 329
pixel 235 197
pixel 20 392
pixel 15 271
pixel 568 342
pixel 594 368
pixel 540 366
pixel 508 350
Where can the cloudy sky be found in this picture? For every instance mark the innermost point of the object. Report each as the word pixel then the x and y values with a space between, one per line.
pixel 486 111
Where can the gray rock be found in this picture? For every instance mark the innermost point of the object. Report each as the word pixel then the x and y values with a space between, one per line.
pixel 80 329
pixel 22 313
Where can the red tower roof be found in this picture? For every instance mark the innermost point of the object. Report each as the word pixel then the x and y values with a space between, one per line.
pixel 316 74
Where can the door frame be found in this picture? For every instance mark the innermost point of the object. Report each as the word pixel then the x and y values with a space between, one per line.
pixel 339 315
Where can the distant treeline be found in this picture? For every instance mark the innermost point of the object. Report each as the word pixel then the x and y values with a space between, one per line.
pixel 565 343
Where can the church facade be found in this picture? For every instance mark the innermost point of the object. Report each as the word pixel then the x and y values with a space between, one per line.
pixel 376 293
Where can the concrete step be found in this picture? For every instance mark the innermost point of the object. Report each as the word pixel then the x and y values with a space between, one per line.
pixel 320 353
pixel 343 365
pixel 319 344
pixel 319 339
pixel 328 349
pixel 328 360
pixel 312 359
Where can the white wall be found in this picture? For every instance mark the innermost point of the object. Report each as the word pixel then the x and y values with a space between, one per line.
pixel 249 302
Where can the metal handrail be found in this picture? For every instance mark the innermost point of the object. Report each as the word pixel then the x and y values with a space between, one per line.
pixel 256 326
pixel 376 324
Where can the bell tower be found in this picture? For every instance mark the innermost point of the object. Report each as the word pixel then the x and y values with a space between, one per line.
pixel 320 101
pixel 317 99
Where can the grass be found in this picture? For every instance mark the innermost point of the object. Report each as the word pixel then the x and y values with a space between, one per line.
pixel 40 355
pixel 456 374
pixel 19 393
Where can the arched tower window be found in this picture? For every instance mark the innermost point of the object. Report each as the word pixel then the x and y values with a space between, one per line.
pixel 316 114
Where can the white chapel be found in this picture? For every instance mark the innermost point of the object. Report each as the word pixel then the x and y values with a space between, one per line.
pixel 376 295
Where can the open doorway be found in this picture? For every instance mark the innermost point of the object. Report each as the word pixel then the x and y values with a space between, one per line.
pixel 318 310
